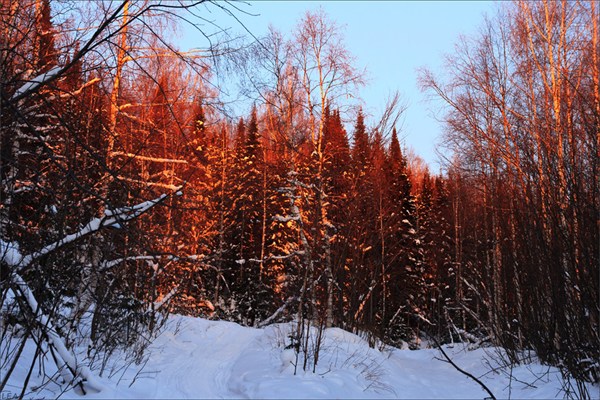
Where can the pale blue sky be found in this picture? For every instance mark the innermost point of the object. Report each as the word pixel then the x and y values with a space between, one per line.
pixel 391 39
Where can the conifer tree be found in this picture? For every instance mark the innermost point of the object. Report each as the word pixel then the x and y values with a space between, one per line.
pixel 380 235
pixel 250 208
pixel 360 149
pixel 46 56
pixel 240 137
pixel 198 144
pixel 361 278
pixel 337 175
pixel 338 161
pixel 404 250
pixel 438 257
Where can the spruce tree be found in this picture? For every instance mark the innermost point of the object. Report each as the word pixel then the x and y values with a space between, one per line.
pixel 47 56
pixel 249 240
pixel 404 251
pixel 361 279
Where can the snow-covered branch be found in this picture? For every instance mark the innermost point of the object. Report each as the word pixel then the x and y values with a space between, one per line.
pixel 111 218
pixel 149 184
pixel 79 371
pixel 277 312
pixel 33 84
pixel 279 258
pixel 78 91
pixel 94 41
pixel 158 304
pixel 365 299
pixel 287 218
pixel 147 158
pixel 112 263
pixel 11 256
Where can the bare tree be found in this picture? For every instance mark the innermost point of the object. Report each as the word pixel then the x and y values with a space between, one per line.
pixel 520 111
pixel 327 73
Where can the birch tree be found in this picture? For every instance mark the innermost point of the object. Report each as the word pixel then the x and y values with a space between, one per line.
pixel 327 73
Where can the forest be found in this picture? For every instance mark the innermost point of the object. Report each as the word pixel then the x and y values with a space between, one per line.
pixel 128 192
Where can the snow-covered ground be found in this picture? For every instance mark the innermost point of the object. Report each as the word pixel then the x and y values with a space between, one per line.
pixel 198 358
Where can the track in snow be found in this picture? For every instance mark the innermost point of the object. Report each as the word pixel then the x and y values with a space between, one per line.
pixel 197 361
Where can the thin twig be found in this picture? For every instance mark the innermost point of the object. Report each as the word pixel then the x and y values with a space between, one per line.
pixel 462 371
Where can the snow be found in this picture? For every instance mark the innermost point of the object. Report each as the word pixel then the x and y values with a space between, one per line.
pixel 9 253
pixel 32 84
pixel 199 358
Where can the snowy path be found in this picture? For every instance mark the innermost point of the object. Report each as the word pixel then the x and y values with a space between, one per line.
pixel 197 361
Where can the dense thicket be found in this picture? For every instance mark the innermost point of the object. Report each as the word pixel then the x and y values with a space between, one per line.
pixel 523 119
pixel 303 209
pixel 92 136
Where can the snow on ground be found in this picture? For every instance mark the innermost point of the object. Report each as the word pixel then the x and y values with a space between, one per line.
pixel 198 358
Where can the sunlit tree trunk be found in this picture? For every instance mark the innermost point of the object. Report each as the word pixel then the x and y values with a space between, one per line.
pixel 317 40
pixel 115 91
